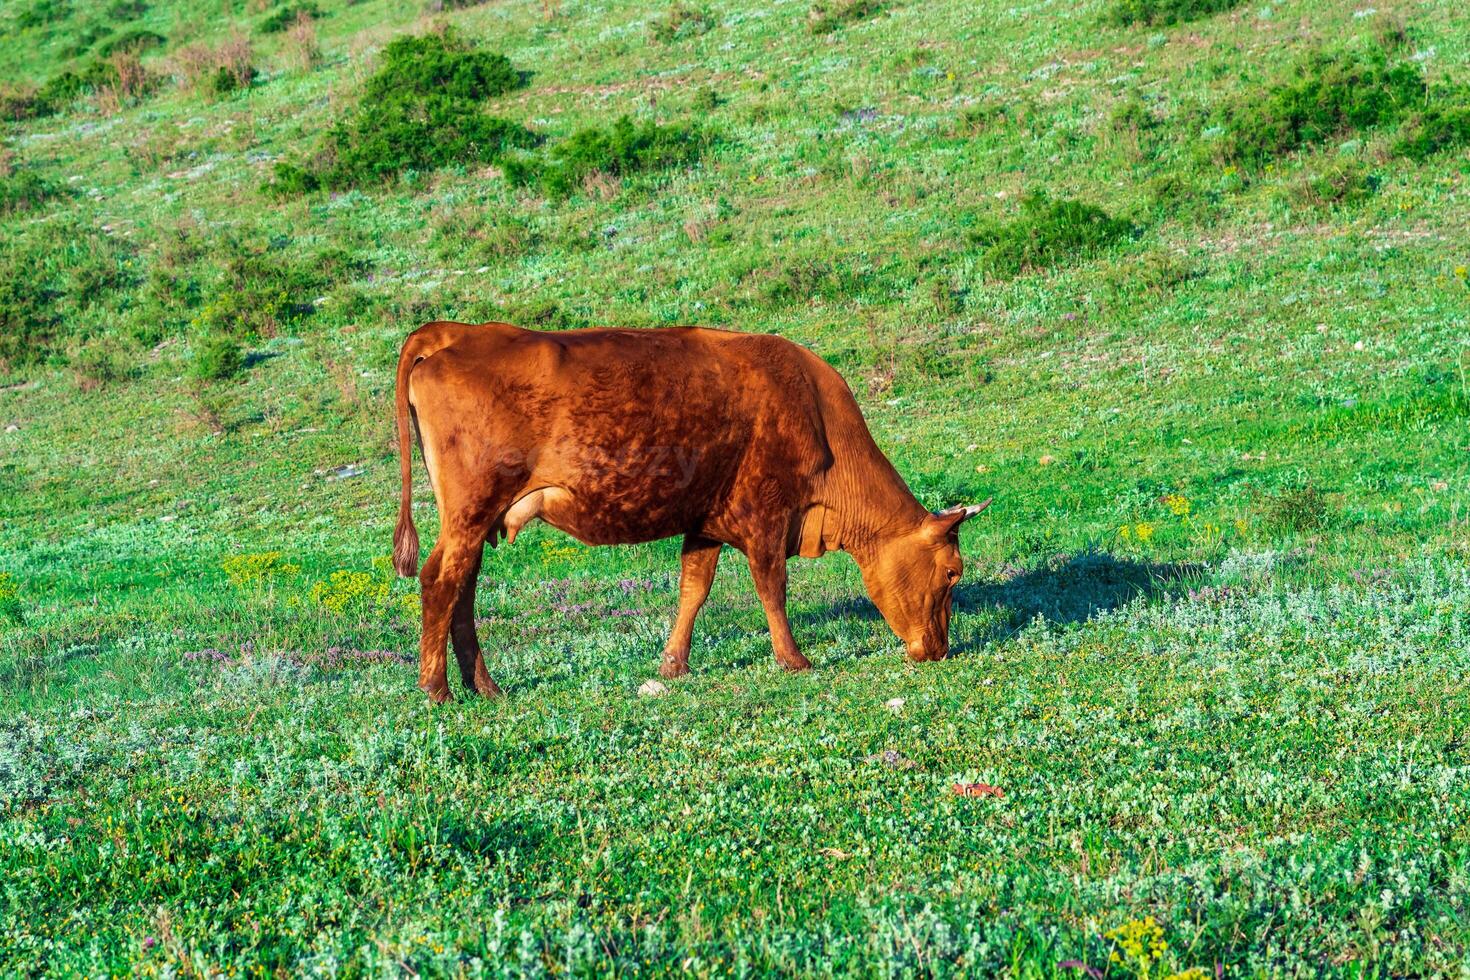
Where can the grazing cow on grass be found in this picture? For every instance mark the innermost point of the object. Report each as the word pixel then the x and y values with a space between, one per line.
pixel 622 436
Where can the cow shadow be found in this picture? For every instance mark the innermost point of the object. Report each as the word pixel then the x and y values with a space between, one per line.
pixel 1064 589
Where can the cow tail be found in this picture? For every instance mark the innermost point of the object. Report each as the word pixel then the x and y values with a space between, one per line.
pixel 406 535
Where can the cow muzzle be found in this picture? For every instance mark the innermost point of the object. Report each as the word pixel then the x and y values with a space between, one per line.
pixel 927 649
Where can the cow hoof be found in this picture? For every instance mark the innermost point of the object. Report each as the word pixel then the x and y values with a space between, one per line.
pixel 795 663
pixel 437 695
pixel 670 669
pixel 487 689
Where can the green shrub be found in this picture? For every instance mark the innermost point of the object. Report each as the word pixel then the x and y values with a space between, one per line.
pixel 1326 96
pixel 824 17
pixel 282 19
pixel 226 81
pixel 419 111
pixel 291 181
pixel 260 291
pixel 101 361
pixel 65 88
pixel 681 20
pixel 1439 127
pixel 707 99
pixel 1049 233
pixel 1165 13
pixel 1294 510
pixel 439 65
pixel 135 42
pixel 43 12
pixel 24 190
pixel 417 134
pixel 1337 182
pixel 28 315
pixel 621 150
pixel 217 357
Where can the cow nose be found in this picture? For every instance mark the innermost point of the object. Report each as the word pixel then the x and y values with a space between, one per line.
pixel 925 650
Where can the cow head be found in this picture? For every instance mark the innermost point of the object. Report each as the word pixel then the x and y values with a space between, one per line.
pixel 912 579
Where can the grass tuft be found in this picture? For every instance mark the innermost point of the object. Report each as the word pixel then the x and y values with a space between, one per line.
pixel 825 17
pixel 618 151
pixel 1050 233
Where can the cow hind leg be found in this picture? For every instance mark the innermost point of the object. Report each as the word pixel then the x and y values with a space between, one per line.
pixel 696 573
pixel 464 639
pixel 441 585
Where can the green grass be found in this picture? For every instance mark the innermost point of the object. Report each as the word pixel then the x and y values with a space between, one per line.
pixel 1211 641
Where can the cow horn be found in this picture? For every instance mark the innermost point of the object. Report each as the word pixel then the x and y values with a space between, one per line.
pixel 950 519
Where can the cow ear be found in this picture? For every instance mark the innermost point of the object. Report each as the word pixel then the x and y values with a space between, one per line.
pixel 947 522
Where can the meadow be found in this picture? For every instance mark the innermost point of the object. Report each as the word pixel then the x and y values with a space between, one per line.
pixel 1181 283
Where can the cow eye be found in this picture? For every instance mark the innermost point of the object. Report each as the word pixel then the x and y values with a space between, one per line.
pixel 952 575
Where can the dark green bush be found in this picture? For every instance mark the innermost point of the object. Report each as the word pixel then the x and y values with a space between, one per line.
pixel 28 315
pixel 226 81
pixel 1439 127
pixel 291 181
pixel 1049 233
pixel 442 65
pixel 1164 13
pixel 417 134
pixel 217 358
pixel 825 17
pixel 1326 96
pixel 43 12
pixel 135 42
pixel 419 111
pixel 281 19
pixel 621 150
pixel 24 190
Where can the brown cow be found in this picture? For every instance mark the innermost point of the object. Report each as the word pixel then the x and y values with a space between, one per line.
pixel 622 436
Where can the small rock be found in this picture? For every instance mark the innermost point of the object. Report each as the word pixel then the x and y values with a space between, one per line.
pixel 651 689
pixel 12 428
pixel 894 705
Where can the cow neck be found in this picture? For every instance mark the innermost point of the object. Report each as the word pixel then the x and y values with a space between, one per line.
pixel 869 506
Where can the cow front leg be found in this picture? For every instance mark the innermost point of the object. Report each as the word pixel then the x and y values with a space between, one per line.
pixel 464 639
pixel 697 563
pixel 440 584
pixel 768 568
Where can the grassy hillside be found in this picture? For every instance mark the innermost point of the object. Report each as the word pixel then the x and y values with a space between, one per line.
pixel 1182 283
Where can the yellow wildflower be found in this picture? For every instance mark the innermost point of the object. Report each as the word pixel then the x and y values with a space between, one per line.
pixel 1177 503
pixel 247 569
